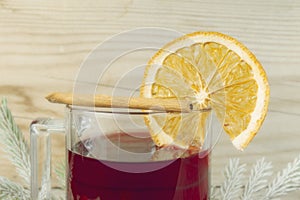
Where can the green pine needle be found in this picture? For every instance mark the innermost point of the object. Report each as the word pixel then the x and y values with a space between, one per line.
pixel 60 172
pixel 287 180
pixel 234 174
pixel 12 191
pixel 257 180
pixel 14 142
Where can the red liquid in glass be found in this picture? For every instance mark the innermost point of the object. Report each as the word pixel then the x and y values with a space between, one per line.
pixel 184 178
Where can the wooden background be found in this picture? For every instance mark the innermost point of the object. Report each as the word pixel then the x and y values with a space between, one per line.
pixel 43 43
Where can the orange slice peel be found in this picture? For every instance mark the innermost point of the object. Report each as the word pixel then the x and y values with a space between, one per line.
pixel 214 70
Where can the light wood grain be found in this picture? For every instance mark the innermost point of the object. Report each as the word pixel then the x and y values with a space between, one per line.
pixel 43 43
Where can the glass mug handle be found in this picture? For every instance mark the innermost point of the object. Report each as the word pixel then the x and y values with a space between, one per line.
pixel 40 153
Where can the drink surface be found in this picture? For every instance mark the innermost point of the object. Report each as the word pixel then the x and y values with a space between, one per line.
pixel 167 174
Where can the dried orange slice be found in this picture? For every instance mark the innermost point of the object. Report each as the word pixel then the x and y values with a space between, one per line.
pixel 214 70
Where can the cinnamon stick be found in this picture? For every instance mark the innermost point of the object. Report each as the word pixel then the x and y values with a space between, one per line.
pixel 160 104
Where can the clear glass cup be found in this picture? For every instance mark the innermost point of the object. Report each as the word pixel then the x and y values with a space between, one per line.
pixel 110 155
pixel 109 152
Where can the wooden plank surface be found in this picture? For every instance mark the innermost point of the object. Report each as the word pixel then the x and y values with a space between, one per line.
pixel 43 43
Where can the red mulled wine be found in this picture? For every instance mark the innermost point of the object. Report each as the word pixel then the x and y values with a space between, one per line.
pixel 132 168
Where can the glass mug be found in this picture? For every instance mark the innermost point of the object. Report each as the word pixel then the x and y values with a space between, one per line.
pixel 110 155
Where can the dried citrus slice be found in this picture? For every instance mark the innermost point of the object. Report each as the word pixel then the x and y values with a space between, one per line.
pixel 214 70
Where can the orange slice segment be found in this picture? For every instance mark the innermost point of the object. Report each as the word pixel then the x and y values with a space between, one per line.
pixel 214 70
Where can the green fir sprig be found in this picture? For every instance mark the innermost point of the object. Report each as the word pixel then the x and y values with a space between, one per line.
pixel 235 186
pixel 234 173
pixel 12 191
pixel 14 144
pixel 17 150
pixel 287 180
pixel 16 147
pixel 60 172
pixel 257 185
pixel 257 180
